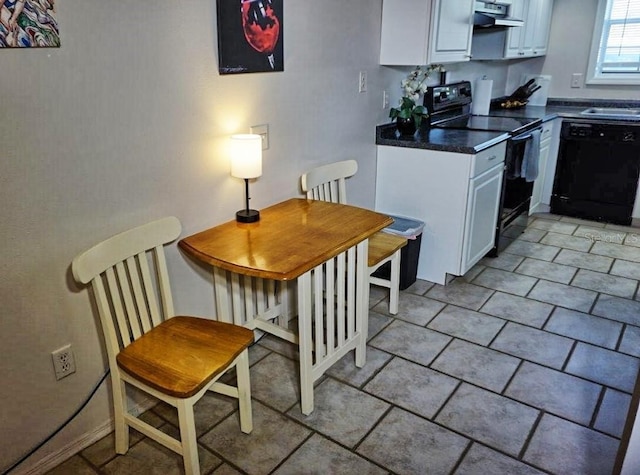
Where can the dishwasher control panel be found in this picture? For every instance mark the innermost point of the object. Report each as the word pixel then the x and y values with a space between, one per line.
pixel 609 132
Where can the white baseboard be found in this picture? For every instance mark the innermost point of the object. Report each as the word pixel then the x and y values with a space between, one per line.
pixel 54 459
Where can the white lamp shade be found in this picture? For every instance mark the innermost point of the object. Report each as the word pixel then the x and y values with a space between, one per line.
pixel 246 155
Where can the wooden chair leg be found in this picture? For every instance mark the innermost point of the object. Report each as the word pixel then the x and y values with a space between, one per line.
pixel 244 392
pixel 188 437
pixel 119 409
pixel 394 288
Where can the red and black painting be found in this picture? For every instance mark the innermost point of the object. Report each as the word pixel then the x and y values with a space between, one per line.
pixel 250 36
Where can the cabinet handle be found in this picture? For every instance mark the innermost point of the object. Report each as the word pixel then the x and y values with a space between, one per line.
pixel 492 157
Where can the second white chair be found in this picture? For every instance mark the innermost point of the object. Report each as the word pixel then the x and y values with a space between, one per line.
pixel 176 359
pixel 327 183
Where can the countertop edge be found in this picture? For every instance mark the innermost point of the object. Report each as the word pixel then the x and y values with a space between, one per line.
pixel 420 140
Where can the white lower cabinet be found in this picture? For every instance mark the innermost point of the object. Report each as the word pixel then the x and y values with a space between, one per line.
pixel 456 195
pixel 545 145
pixel 549 139
pixel 481 219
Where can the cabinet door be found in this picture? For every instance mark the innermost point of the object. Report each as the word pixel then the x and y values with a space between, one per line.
pixel 452 31
pixel 538 186
pixel 405 32
pixel 515 35
pixel 532 38
pixel 482 216
pixel 540 39
pixel 419 32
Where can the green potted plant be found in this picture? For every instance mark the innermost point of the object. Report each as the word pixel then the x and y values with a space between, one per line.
pixel 409 115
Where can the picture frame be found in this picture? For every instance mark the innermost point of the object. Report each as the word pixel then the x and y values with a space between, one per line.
pixel 28 24
pixel 250 36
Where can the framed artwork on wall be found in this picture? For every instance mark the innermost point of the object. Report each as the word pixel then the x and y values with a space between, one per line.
pixel 28 24
pixel 250 36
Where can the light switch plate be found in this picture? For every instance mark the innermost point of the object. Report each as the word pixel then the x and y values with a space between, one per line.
pixel 576 80
pixel 263 131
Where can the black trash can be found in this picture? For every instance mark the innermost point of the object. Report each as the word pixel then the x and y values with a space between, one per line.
pixel 412 230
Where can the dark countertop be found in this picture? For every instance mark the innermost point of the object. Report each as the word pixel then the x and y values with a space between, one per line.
pixel 472 141
pixel 446 140
pixel 568 108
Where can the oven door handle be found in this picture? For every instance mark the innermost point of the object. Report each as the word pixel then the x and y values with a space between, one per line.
pixel 523 137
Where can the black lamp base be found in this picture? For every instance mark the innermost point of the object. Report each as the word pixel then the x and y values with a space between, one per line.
pixel 248 216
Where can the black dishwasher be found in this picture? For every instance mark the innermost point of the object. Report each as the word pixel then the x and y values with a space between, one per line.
pixel 597 172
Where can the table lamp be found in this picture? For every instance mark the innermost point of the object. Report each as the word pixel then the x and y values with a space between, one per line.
pixel 246 163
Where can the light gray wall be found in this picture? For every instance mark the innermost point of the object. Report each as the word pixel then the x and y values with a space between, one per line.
pixel 569 46
pixel 128 122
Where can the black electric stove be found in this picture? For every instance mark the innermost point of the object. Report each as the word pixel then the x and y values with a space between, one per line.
pixel 449 106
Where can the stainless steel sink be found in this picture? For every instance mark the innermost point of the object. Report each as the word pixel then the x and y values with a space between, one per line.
pixel 617 112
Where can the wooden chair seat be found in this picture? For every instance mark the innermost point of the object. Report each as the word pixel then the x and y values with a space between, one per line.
pixel 382 246
pixel 182 354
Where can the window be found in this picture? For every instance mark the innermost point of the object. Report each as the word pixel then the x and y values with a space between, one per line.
pixel 615 49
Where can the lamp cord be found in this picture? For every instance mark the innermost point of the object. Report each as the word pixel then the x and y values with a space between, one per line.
pixel 64 424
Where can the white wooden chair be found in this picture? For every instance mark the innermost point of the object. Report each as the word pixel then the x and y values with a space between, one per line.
pixel 174 358
pixel 327 183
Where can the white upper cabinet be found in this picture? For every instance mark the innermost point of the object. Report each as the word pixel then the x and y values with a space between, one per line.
pixel 420 32
pixel 532 38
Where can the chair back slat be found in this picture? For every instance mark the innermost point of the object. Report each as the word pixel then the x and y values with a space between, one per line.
pixel 129 276
pixel 106 320
pixel 163 282
pixel 136 267
pixel 327 182
pixel 127 280
pixel 118 312
pixel 138 297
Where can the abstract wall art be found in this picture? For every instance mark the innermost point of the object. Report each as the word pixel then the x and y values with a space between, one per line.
pixel 28 24
pixel 250 36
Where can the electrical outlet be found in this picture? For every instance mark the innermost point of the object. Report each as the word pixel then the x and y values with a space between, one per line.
pixel 63 362
pixel 576 80
pixel 385 99
pixel 362 82
pixel 262 131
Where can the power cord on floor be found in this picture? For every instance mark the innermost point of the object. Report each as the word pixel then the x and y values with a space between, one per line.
pixel 64 424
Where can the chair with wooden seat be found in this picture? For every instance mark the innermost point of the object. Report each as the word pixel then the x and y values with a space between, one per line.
pixel 176 359
pixel 327 183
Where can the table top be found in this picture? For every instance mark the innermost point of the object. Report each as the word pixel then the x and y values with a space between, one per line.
pixel 291 238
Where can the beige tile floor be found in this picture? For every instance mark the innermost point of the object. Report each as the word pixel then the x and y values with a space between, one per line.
pixel 523 366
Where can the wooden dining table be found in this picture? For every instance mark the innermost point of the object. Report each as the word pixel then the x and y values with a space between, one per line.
pixel 299 273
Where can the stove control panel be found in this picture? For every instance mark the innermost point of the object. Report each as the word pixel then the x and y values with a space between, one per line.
pixel 447 96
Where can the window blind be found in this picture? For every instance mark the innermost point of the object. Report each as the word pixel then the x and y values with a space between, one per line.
pixel 619 51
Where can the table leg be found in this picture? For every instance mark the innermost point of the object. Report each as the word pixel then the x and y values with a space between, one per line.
pixel 221 295
pixel 306 343
pixel 362 301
